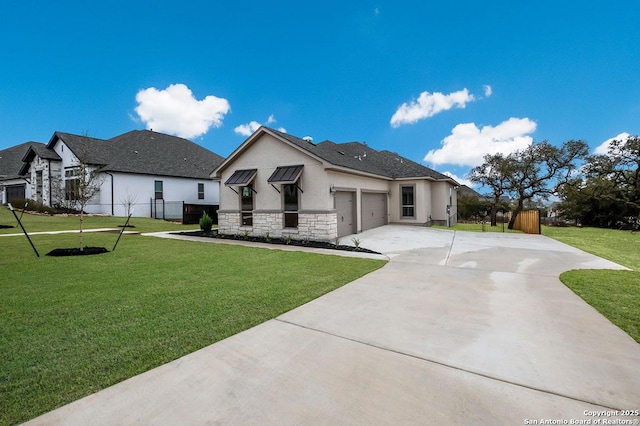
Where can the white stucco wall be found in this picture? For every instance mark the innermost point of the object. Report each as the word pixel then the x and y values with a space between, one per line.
pixel 68 159
pixel 422 198
pixel 265 155
pixel 140 190
pixel 442 194
pixel 116 188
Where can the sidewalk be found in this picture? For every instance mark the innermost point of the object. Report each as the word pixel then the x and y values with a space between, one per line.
pixel 71 231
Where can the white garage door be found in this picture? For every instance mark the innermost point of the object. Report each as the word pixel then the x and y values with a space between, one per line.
pixel 374 210
pixel 345 207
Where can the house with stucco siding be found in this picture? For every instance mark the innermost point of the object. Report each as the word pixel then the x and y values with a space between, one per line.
pixel 284 186
pixel 141 169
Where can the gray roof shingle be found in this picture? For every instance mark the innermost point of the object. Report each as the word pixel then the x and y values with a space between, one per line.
pixel 142 152
pixel 148 152
pixel 11 159
pixel 363 158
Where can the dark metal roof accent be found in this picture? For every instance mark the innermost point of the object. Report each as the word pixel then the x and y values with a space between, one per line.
pixel 241 177
pixel 286 174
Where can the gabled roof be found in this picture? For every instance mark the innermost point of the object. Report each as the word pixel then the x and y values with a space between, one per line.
pixel 39 150
pixel 148 152
pixel 350 156
pixel 465 190
pixel 87 149
pixel 11 159
pixel 138 151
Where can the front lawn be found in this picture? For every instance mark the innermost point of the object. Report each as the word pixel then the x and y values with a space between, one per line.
pixel 43 222
pixel 615 294
pixel 71 326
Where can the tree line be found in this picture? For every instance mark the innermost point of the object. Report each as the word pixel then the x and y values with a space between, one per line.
pixel 595 190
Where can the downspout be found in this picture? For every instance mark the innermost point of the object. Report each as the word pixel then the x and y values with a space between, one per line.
pixel 112 207
pixel 49 172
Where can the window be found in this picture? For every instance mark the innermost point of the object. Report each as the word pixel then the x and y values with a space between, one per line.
pixel 158 190
pixel 246 205
pixel 201 191
pixel 290 195
pixel 408 201
pixel 71 183
pixel 288 176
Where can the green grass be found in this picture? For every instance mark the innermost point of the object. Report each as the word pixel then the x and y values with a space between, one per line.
pixel 40 223
pixel 622 247
pixel 615 294
pixel 71 326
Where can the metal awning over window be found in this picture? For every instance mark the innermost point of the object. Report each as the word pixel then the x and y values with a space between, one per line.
pixel 241 177
pixel 286 175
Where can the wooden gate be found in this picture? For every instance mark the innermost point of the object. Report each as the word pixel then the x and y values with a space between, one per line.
pixel 528 221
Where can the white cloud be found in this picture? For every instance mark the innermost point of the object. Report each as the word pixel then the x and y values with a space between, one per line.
pixel 176 111
pixel 252 126
pixel 428 105
pixel 603 148
pixel 460 180
pixel 247 129
pixel 488 91
pixel 467 144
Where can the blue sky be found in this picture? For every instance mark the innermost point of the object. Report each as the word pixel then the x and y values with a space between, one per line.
pixel 441 83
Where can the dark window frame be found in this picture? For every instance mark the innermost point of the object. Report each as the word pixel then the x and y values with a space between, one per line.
pixel 247 205
pixel 71 177
pixel 289 194
pixel 200 191
pixel 408 202
pixel 158 194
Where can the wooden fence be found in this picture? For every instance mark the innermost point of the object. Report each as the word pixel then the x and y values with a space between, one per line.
pixel 528 221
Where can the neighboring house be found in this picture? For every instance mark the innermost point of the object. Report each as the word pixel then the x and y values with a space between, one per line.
pixel 282 185
pixel 466 191
pixel 13 186
pixel 152 172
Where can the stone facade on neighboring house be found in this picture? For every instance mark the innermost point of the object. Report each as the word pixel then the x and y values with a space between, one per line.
pixel 13 185
pixel 141 170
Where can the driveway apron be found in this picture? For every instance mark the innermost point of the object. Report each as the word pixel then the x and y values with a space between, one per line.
pixel 458 328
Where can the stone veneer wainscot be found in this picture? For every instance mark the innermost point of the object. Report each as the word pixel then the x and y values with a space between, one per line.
pixel 316 226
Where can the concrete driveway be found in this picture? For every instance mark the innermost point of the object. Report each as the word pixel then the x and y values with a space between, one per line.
pixel 458 328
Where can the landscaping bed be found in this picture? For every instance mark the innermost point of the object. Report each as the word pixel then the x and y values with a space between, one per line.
pixel 77 252
pixel 277 241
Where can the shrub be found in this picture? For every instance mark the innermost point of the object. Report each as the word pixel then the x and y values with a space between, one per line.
pixel 31 206
pixel 356 242
pixel 205 222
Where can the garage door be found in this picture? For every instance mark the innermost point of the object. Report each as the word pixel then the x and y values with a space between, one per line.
pixel 374 210
pixel 345 207
pixel 15 192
